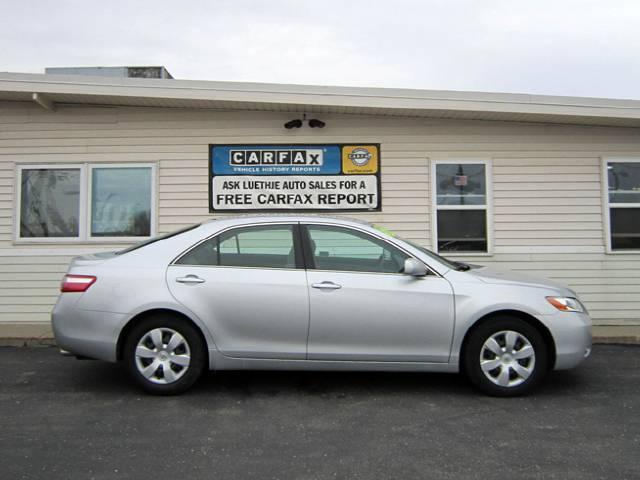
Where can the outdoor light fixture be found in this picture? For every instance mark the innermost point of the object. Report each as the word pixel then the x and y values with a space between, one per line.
pixel 297 123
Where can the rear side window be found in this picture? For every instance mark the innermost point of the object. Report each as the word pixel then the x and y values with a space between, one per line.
pixel 268 246
pixel 343 249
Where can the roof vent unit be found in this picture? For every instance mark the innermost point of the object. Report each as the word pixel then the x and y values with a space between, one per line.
pixel 126 72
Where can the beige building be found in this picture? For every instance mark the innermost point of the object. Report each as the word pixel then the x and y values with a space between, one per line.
pixel 545 185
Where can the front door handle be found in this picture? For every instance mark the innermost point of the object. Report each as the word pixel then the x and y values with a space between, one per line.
pixel 326 285
pixel 190 279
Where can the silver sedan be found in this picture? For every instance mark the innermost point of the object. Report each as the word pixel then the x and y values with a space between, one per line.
pixel 312 293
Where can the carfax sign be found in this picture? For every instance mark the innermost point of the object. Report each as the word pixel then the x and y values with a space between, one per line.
pixel 343 177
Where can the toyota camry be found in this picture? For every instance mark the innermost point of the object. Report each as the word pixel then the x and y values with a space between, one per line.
pixel 312 293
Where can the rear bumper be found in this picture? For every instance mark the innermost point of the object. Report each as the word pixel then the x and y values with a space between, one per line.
pixel 571 333
pixel 85 333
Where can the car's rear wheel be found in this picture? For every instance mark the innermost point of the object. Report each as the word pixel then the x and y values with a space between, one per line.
pixel 505 356
pixel 164 355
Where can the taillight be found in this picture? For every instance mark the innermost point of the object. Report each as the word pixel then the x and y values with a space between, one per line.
pixel 77 283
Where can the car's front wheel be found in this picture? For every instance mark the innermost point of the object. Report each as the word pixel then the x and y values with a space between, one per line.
pixel 164 355
pixel 505 356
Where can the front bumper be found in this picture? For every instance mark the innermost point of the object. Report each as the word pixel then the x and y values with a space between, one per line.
pixel 571 332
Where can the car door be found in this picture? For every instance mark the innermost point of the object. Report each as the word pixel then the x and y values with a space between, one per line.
pixel 362 308
pixel 248 286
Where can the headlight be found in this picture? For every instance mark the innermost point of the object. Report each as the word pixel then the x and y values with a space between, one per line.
pixel 566 304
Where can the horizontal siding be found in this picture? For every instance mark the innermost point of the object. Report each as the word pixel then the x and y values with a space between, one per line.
pixel 555 220
pixel 547 211
pixel 29 284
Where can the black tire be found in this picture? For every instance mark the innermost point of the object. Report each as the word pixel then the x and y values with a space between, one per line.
pixel 537 365
pixel 194 343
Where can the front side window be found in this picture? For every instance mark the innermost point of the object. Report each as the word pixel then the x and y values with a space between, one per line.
pixel 49 202
pixel 461 203
pixel 268 246
pixel 56 202
pixel 342 249
pixel 624 204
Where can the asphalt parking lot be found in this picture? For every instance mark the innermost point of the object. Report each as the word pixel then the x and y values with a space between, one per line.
pixel 64 418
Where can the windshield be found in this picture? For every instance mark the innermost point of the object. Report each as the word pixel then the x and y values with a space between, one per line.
pixel 435 256
pixel 157 238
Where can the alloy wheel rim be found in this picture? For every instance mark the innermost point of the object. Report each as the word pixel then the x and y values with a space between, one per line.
pixel 162 356
pixel 507 358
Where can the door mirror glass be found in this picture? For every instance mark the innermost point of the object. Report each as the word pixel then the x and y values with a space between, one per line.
pixel 414 268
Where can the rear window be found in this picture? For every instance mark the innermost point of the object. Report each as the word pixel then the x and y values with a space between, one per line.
pixel 157 238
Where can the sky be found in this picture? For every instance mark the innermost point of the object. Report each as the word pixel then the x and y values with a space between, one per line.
pixel 557 47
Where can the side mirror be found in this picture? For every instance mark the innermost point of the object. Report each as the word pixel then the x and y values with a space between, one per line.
pixel 414 268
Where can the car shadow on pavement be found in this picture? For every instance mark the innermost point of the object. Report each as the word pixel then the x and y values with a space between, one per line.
pixel 100 378
pixel 106 378
pixel 339 384
pixel 319 383
pixel 96 377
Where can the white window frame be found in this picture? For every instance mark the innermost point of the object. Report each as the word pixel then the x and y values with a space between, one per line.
pixel 606 214
pixel 84 230
pixel 488 206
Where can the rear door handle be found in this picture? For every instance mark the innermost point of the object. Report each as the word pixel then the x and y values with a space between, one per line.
pixel 190 279
pixel 326 285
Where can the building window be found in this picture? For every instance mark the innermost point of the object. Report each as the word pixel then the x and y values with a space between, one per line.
pixel 49 202
pixel 83 202
pixel 461 206
pixel 623 198
pixel 120 201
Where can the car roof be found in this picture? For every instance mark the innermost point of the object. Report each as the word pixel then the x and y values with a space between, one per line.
pixel 246 219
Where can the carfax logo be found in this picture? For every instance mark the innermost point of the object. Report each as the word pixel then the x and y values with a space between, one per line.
pixel 310 157
pixel 360 156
